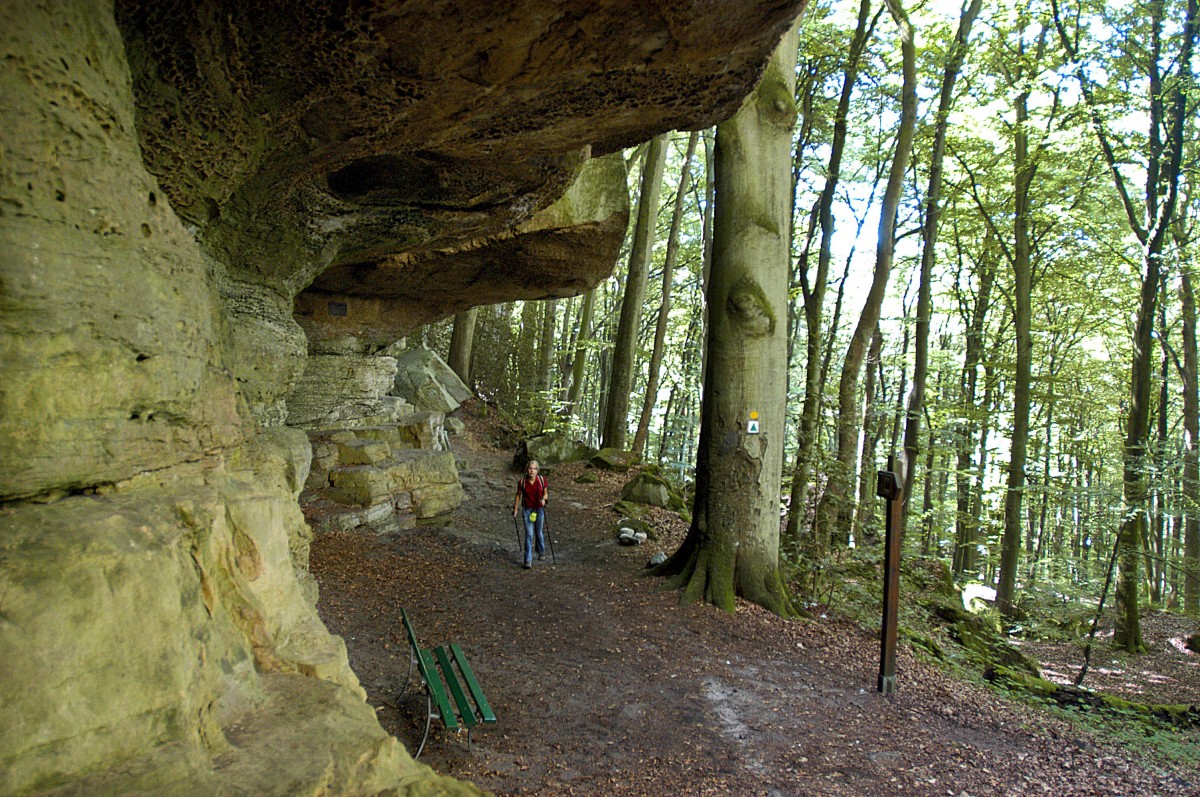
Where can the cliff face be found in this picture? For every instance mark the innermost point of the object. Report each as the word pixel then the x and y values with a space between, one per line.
pixel 195 196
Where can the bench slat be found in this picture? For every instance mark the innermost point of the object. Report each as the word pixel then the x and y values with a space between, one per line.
pixel 485 710
pixel 434 683
pixel 460 697
pixel 412 635
pixel 425 666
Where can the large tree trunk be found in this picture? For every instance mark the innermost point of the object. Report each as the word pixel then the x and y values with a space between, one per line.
pixel 664 309
pixel 929 235
pixel 462 341
pixel 732 547
pixel 837 505
pixel 620 384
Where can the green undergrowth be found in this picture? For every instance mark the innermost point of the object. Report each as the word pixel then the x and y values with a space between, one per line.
pixel 974 645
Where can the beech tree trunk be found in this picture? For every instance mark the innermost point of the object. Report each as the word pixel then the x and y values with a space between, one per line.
pixel 1010 546
pixel 545 375
pixel 967 525
pixel 579 362
pixel 835 512
pixel 1191 456
pixel 732 547
pixel 462 340
pixel 929 236
pixel 1150 220
pixel 616 416
pixel 664 309
pixel 527 349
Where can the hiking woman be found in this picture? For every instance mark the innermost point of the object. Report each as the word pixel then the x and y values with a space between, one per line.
pixel 530 501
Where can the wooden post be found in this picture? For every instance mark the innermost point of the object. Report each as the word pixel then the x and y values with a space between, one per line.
pixel 887 486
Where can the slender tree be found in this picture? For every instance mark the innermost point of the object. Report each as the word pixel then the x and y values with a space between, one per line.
pixel 462 341
pixel 835 512
pixel 929 236
pixel 664 309
pixel 813 288
pixel 583 335
pixel 620 384
pixel 1188 373
pixel 967 522
pixel 1167 106
pixel 546 351
pixel 1024 168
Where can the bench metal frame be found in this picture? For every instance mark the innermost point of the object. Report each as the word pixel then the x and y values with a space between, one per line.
pixel 446 673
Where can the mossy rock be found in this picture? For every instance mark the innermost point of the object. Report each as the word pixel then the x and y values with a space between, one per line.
pixel 929 576
pixel 946 608
pixel 985 646
pixel 1069 696
pixel 587 477
pixel 613 459
pixel 647 488
pixel 551 448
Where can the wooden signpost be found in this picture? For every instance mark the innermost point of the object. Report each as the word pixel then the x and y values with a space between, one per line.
pixel 887 486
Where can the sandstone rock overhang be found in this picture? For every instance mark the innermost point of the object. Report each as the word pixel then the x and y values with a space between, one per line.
pixel 159 632
pixel 312 137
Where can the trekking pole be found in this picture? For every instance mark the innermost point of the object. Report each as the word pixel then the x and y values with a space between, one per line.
pixel 549 537
pixel 520 537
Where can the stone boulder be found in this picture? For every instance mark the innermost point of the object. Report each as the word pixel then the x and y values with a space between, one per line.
pixel 425 381
pixel 613 459
pixel 551 448
pixel 649 488
pixel 339 389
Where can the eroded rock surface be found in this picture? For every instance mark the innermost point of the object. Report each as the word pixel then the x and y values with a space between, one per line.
pixel 197 199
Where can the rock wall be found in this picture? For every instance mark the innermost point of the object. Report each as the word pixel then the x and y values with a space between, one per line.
pixel 158 631
pixel 175 179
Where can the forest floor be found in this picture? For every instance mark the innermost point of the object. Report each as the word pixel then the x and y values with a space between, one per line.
pixel 605 685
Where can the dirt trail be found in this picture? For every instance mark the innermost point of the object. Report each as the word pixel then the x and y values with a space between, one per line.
pixel 604 685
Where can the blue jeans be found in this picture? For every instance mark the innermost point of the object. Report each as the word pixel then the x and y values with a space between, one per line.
pixel 533 528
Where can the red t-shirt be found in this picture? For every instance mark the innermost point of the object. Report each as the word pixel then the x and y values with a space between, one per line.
pixel 532 492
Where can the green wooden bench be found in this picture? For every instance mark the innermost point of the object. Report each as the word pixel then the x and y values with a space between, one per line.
pixel 447 675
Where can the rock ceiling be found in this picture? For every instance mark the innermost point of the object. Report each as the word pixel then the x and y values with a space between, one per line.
pixel 326 148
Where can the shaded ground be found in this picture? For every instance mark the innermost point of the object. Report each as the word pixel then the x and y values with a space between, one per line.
pixel 604 685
